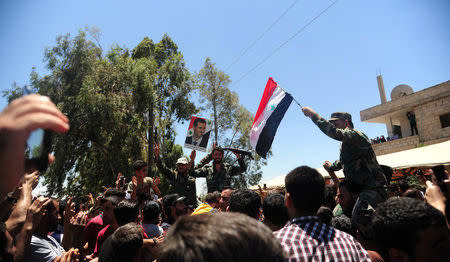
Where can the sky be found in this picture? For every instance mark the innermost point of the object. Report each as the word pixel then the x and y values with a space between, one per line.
pixel 330 66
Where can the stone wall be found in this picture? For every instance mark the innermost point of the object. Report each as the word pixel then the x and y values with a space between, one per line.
pixel 396 145
pixel 428 122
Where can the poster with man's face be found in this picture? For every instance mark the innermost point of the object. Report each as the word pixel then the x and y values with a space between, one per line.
pixel 198 133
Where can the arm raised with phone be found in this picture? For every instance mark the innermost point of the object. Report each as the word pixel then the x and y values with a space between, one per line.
pixel 19 118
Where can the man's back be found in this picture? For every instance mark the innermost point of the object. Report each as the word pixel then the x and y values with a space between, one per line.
pixel 308 239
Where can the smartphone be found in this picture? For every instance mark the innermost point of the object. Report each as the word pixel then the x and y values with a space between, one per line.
pixel 38 147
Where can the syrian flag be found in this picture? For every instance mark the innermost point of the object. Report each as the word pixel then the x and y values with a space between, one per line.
pixel 271 110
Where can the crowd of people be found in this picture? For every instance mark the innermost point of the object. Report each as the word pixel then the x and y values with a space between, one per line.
pixel 413 125
pixel 382 139
pixel 355 219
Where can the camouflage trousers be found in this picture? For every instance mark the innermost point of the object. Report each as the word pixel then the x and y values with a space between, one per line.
pixel 365 206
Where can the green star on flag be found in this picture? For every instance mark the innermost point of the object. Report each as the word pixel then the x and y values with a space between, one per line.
pixel 190 132
pixel 272 107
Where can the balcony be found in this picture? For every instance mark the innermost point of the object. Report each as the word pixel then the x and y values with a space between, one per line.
pixel 396 145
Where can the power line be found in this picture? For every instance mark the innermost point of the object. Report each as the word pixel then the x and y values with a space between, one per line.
pixel 261 36
pixel 285 42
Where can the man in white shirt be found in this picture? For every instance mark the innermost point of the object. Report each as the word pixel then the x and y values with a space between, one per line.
pixel 44 247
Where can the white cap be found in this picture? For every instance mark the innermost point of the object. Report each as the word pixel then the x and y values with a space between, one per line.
pixel 182 160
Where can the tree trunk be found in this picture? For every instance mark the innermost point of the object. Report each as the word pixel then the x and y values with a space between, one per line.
pixel 151 121
pixel 215 123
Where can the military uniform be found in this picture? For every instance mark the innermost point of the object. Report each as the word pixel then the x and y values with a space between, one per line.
pixel 143 189
pixel 358 161
pixel 217 180
pixel 183 185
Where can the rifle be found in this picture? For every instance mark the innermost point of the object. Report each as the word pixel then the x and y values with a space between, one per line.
pixel 240 151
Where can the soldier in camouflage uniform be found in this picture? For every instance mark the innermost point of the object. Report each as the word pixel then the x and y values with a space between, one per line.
pixel 357 158
pixel 181 180
pixel 218 174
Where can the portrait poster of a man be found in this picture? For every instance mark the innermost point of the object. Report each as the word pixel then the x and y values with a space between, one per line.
pixel 198 133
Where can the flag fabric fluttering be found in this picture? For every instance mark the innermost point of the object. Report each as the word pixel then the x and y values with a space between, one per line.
pixel 274 104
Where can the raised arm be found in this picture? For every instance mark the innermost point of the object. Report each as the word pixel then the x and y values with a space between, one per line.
pixel 21 117
pixel 161 167
pixel 33 217
pixel 327 165
pixel 19 213
pixel 204 161
pixel 235 170
pixel 326 126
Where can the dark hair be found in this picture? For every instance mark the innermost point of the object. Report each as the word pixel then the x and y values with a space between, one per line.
pixel 351 187
pixel 199 120
pixel 231 237
pixel 50 206
pixel 325 214
pixel 343 223
pixel 245 201
pixel 398 221
pixel 151 210
pixel 126 212
pixel 393 188
pixel 114 192
pixel 217 148
pixel 439 172
pixel 212 197
pixel 114 200
pixel 62 206
pixel 126 242
pixel 167 202
pixel 388 172
pixel 403 185
pixel 330 195
pixel 306 188
pixel 275 211
pixel 413 193
pixel 138 165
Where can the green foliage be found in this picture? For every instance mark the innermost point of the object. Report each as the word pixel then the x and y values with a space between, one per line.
pixel 414 182
pixel 107 99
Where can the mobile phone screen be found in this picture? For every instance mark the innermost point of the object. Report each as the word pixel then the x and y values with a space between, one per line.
pixel 37 147
pixel 34 144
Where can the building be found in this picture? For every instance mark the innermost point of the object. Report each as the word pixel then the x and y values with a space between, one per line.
pixel 431 108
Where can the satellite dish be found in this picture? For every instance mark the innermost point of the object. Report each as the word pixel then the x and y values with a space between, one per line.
pixel 401 91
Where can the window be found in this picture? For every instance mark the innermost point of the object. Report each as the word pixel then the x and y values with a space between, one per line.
pixel 445 120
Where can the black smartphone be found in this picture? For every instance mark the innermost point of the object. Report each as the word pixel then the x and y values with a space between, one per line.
pixel 38 154
pixel 38 147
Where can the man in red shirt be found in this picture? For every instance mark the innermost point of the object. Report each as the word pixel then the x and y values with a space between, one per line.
pixel 96 224
pixel 125 212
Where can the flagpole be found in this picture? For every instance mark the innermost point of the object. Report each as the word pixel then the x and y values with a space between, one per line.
pixel 292 96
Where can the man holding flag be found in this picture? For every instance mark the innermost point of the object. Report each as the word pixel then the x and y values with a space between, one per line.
pixel 357 158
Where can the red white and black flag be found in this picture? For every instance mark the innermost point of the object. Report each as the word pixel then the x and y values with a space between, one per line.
pixel 274 104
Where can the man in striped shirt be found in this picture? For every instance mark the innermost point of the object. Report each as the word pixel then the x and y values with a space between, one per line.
pixel 305 238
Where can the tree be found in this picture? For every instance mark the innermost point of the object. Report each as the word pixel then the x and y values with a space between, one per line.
pixel 232 121
pixel 107 99
pixel 164 98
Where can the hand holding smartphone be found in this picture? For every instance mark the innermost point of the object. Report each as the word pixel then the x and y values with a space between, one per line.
pixel 39 144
